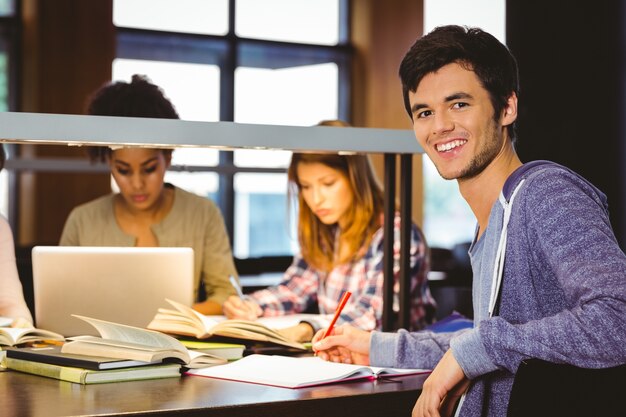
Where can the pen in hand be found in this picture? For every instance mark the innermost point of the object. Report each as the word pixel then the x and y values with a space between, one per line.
pixel 246 306
pixel 342 303
pixel 237 287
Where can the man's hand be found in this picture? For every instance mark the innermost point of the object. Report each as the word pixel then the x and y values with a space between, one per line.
pixel 346 344
pixel 236 308
pixel 441 389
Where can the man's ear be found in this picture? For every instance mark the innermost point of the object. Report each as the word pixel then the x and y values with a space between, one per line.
pixel 509 112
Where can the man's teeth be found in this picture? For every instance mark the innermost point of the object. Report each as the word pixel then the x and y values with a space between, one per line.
pixel 442 147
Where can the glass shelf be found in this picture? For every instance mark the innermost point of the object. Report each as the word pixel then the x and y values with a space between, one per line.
pixel 79 130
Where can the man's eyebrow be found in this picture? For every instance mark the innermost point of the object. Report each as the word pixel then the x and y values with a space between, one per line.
pixel 417 106
pixel 457 96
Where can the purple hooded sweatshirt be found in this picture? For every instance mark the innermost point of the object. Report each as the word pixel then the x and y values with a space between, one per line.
pixel 562 296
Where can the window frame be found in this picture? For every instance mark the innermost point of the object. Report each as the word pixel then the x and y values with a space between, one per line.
pixel 229 52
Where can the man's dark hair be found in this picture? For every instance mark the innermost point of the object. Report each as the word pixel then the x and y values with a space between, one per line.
pixel 139 98
pixel 472 48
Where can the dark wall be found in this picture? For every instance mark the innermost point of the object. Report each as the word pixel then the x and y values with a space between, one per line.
pixel 571 60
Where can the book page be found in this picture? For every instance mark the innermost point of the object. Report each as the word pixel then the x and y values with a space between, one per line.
pixel 94 340
pixel 382 372
pixel 252 330
pixel 15 335
pixel 121 350
pixel 281 322
pixel 204 359
pixel 121 332
pixel 9 335
pixel 201 321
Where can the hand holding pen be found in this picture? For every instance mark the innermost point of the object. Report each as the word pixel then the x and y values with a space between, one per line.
pixel 240 306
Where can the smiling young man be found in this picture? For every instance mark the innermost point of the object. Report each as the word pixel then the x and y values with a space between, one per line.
pixel 549 279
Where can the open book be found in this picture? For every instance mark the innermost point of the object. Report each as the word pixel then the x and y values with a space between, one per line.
pixel 293 372
pixel 187 322
pixel 10 336
pixel 127 342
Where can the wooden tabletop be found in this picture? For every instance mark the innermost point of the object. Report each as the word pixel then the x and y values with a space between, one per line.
pixel 34 396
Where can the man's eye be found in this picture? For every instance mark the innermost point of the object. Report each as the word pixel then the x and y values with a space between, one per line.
pixel 150 170
pixel 422 114
pixel 459 105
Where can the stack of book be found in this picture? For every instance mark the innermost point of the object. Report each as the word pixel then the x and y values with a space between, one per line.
pixel 122 353
pixel 82 369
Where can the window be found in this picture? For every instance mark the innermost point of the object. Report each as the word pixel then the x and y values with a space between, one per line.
pixel 279 62
pixel 448 219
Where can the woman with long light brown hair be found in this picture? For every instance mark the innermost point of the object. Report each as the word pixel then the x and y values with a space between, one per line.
pixel 340 232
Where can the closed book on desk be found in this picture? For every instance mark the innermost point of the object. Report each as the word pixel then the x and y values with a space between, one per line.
pixel 185 321
pixel 127 342
pixel 10 336
pixel 54 356
pixel 290 372
pixel 89 376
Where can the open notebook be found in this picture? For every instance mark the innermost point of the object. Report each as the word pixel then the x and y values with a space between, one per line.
pixel 120 284
pixel 297 372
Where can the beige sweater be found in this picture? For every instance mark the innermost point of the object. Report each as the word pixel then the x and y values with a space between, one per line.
pixel 12 302
pixel 193 222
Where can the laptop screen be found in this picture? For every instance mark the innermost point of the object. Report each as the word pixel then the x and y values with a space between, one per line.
pixel 125 285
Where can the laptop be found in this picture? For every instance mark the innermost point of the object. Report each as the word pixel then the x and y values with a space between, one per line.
pixel 125 285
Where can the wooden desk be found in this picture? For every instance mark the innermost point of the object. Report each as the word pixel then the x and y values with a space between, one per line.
pixel 33 396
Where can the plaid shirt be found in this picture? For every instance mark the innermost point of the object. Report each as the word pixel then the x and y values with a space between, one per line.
pixel 303 287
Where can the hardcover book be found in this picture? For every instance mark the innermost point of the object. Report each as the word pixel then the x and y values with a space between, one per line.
pixel 54 356
pixel 89 376
pixel 128 342
pixel 185 321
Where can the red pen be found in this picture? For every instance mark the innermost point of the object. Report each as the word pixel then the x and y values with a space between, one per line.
pixel 342 303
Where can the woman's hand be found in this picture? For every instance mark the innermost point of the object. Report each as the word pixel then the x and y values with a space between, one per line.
pixel 301 332
pixel 21 323
pixel 236 308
